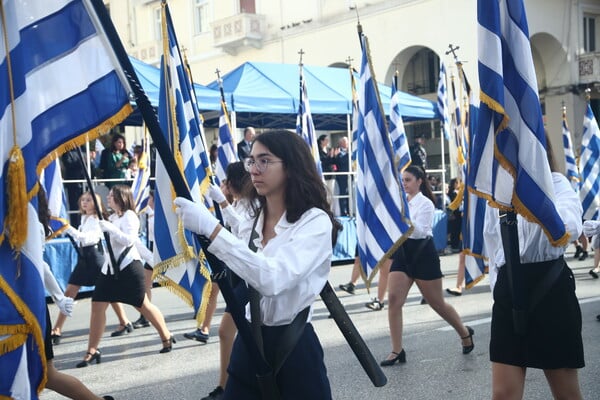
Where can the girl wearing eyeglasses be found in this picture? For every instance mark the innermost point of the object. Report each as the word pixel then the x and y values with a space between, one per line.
pixel 285 254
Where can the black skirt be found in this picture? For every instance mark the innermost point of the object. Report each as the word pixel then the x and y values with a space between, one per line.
pixel 553 338
pixel 419 259
pixel 303 375
pixel 48 349
pixel 88 266
pixel 129 288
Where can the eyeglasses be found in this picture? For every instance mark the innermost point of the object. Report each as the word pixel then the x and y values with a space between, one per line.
pixel 261 164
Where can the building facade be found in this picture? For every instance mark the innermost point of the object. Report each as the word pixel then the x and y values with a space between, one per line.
pixel 408 36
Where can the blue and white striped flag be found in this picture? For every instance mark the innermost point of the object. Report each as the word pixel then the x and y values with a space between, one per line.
pixel 51 181
pixel 178 267
pixel 442 102
pixel 59 87
pixel 571 170
pixel 509 164
pixel 355 112
pixel 226 153
pixel 589 166
pixel 382 222
pixel 304 123
pixel 397 132
pixel 141 183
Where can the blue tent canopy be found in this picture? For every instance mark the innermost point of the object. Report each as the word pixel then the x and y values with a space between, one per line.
pixel 149 76
pixel 267 95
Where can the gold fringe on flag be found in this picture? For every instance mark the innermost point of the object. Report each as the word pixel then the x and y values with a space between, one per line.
pixel 16 216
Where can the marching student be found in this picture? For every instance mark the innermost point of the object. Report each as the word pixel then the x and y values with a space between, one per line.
pixel 89 262
pixel 417 261
pixel 285 254
pixel 129 288
pixel 553 339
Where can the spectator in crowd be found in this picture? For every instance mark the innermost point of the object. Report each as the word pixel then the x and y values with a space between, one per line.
pixel 418 154
pixel 115 160
pixel 454 216
pixel 244 147
pixel 72 170
pixel 327 164
pixel 342 162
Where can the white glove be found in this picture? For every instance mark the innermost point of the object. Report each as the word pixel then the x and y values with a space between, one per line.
pixel 65 305
pixel 195 217
pixel 215 194
pixel 108 227
pixel 591 228
pixel 71 231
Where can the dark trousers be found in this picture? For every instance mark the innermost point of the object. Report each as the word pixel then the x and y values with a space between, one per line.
pixel 303 375
pixel 343 191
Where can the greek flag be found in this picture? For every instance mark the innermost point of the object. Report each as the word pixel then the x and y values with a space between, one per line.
pixel 355 112
pixel 382 222
pixel 51 180
pixel 474 208
pixel 304 123
pixel 141 183
pixel 178 267
pixel 226 153
pixel 442 102
pixel 589 165
pixel 570 164
pixel 397 132
pixel 509 164
pixel 59 87
pixel 460 125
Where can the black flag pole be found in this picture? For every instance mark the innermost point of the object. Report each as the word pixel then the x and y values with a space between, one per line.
pixel 177 179
pixel 88 179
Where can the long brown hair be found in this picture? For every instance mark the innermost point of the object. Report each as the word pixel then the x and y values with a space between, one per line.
pixel 419 173
pixel 304 188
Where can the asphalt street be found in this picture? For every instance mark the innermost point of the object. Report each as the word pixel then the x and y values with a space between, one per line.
pixel 133 369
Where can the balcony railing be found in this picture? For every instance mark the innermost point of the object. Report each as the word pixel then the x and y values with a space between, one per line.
pixel 238 31
pixel 589 68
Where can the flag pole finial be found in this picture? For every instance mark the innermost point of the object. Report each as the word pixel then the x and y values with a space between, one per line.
pixel 301 52
pixel 452 49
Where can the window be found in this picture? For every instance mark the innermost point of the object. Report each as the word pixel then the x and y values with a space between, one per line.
pixel 200 16
pixel 589 32
pixel 157 23
pixel 421 74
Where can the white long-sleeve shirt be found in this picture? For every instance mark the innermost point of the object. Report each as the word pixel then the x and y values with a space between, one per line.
pixel 421 211
pixel 89 232
pixel 128 225
pixel 534 245
pixel 290 271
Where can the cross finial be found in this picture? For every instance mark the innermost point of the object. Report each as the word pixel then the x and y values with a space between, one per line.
pixel 452 49
pixel 301 52
pixel 349 60
pixel 218 72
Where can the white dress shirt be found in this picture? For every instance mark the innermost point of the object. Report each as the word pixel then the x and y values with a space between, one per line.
pixel 290 271
pixel 89 233
pixel 128 225
pixel 534 245
pixel 421 211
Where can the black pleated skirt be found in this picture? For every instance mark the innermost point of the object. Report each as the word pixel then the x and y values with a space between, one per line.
pixel 88 266
pixel 128 288
pixel 553 338
pixel 418 258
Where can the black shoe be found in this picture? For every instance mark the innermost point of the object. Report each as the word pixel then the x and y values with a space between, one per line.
pixel 399 358
pixel 375 305
pixel 348 287
pixel 141 322
pixel 93 357
pixel 423 300
pixel 197 335
pixel 578 251
pixel 108 398
pixel 594 274
pixel 124 329
pixel 215 394
pixel 55 338
pixel 168 345
pixel 469 348
pixel 454 291
pixel 583 256
pixel 598 317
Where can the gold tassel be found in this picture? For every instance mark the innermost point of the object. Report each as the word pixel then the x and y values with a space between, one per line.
pixel 16 219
